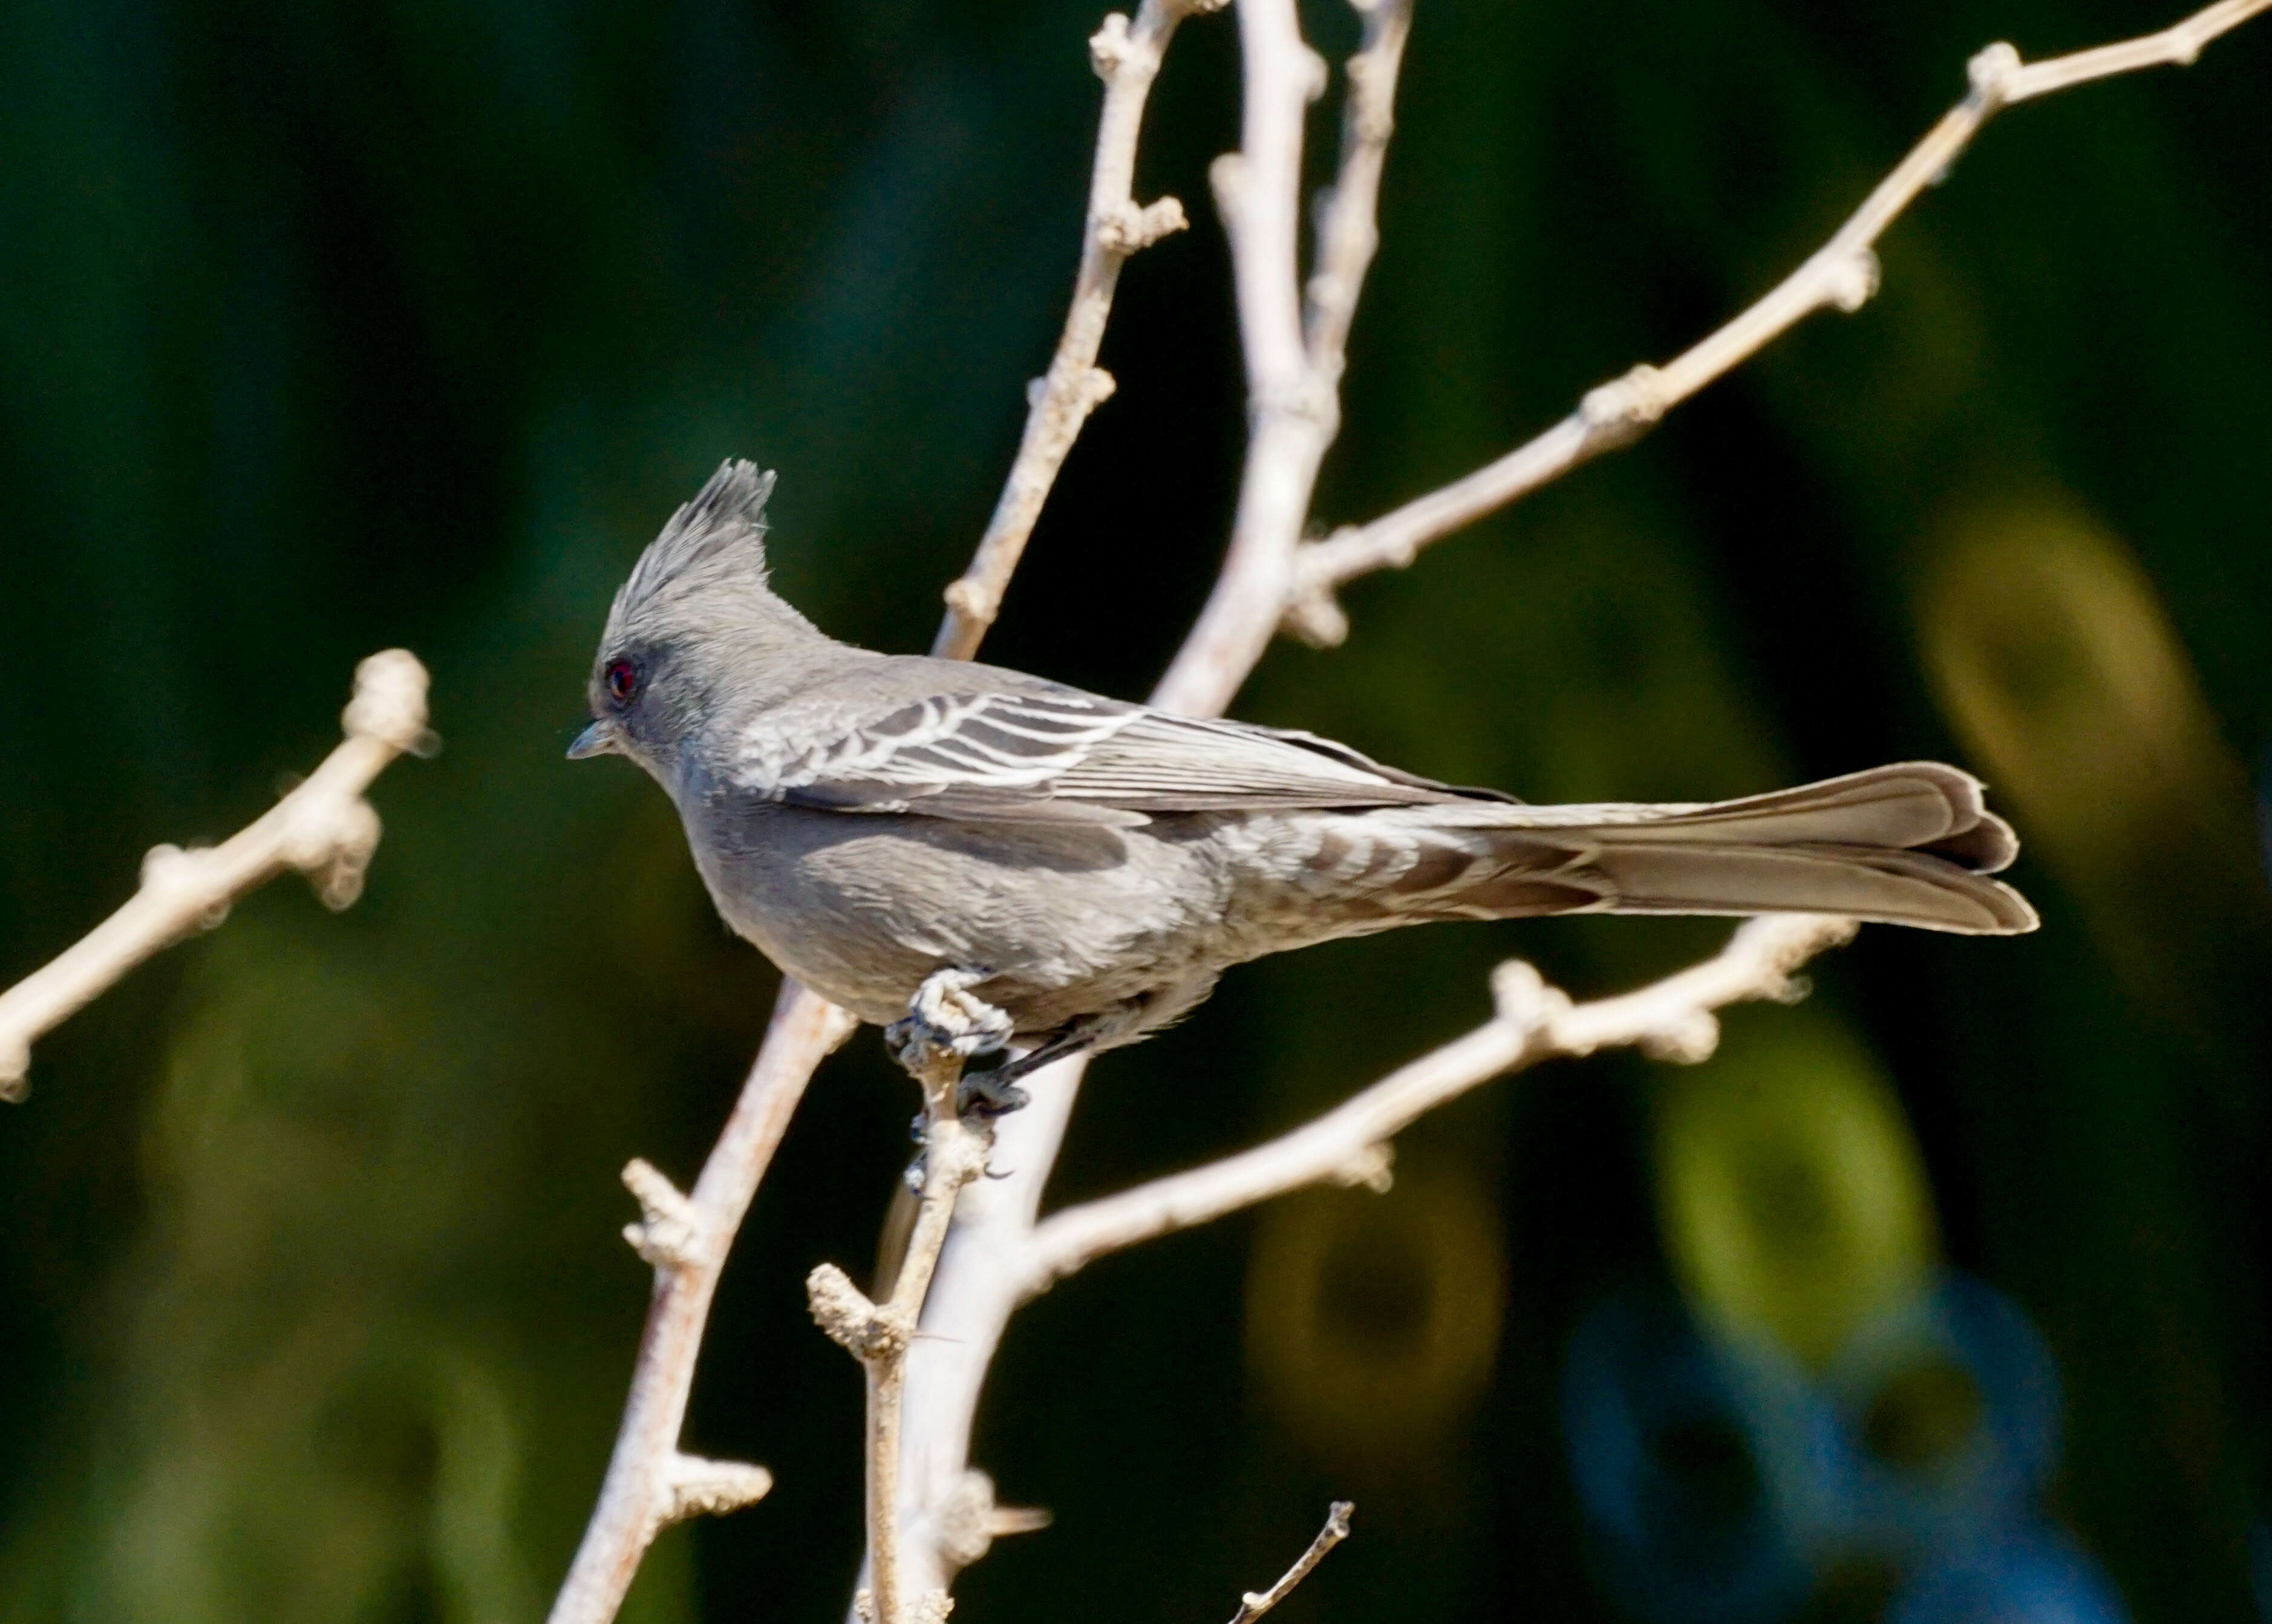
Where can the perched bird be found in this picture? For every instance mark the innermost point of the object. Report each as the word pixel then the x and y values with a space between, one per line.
pixel 989 860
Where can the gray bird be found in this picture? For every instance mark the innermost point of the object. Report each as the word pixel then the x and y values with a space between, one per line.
pixel 986 860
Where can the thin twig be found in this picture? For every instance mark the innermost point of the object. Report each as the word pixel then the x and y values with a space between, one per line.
pixel 1293 356
pixel 947 1510
pixel 1842 273
pixel 1348 231
pixel 1126 57
pixel 1292 370
pixel 1294 362
pixel 324 828
pixel 650 1483
pixel 954 1153
pixel 637 1499
pixel 1251 1607
pixel 1672 1018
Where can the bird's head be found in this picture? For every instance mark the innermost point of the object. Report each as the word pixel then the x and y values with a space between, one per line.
pixel 695 632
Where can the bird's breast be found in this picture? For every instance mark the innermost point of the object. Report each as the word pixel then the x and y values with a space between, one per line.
pixel 861 907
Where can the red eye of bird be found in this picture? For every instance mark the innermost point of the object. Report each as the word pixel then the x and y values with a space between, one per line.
pixel 622 681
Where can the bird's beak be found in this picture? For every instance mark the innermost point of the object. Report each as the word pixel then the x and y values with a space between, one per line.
pixel 599 740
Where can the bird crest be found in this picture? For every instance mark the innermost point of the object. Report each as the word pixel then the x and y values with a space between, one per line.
pixel 720 535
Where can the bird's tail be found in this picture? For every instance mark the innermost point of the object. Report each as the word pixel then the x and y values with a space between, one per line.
pixel 1907 844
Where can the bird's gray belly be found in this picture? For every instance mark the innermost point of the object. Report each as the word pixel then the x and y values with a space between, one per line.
pixel 1067 919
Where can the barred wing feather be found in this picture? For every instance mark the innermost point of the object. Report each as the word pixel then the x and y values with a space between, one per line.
pixel 1060 755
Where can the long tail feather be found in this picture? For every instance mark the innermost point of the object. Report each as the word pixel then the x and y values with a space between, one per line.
pixel 1911 844
pixel 1896 887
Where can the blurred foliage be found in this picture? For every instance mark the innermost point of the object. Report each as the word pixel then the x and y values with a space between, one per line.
pixel 1793 1204
pixel 350 322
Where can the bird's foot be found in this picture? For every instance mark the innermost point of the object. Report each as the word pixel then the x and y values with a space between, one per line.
pixel 946 1021
pixel 989 1094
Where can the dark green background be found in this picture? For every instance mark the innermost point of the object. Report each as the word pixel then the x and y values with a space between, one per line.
pixel 343 324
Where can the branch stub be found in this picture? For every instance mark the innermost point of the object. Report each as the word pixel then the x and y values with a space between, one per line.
pixel 669 1233
pixel 1990 74
pixel 389 702
pixel 704 1487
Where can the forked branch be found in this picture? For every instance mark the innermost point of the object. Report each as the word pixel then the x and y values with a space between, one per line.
pixel 878 1334
pixel 1294 349
pixel 651 1483
pixel 1126 57
pixel 1842 273
pixel 324 828
pixel 1294 362
pixel 995 1254
pixel 687 1241
pixel 1674 1019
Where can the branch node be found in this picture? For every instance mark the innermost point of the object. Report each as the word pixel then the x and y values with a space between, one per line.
pixel 1852 282
pixel 968 1522
pixel 1620 409
pixel 669 1233
pixel 169 868
pixel 1124 229
pixel 1686 1038
pixel 1791 989
pixel 389 704
pixel 966 597
pixel 698 1486
pixel 1095 389
pixel 1990 74
pixel 1313 615
pixel 1317 74
pixel 850 1318
pixel 333 846
pixel 1372 1168
pixel 1797 938
pixel 1525 999
pixel 1111 48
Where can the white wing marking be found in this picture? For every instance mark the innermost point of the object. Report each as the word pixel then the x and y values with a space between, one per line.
pixel 996 741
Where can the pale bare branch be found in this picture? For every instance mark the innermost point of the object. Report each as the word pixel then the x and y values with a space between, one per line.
pixel 1841 275
pixel 878 1335
pixel 1292 411
pixel 650 1483
pixel 1292 367
pixel 700 1488
pixel 1348 216
pixel 324 828
pixel 1671 1018
pixel 635 1498
pixel 1252 1606
pixel 970 1303
pixel 1126 57
pixel 993 1253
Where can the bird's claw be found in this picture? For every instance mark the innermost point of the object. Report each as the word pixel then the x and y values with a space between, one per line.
pixel 945 1019
pixel 988 1095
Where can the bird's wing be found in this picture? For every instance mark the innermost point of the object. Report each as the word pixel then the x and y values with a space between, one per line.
pixel 1057 755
